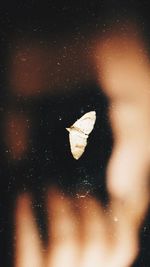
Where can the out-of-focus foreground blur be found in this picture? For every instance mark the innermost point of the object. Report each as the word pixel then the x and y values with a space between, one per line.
pixel 59 61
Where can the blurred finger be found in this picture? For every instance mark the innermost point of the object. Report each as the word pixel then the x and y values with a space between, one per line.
pixel 95 233
pixel 63 231
pixel 28 249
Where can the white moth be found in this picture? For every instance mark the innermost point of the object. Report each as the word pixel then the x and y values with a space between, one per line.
pixel 79 132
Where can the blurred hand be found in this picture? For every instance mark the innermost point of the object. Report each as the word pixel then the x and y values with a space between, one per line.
pixel 81 233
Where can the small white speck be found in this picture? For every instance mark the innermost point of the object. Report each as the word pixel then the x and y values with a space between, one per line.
pixel 81 196
pixel 23 59
pixel 115 219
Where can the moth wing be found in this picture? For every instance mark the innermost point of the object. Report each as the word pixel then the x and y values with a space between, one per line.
pixel 77 144
pixel 86 123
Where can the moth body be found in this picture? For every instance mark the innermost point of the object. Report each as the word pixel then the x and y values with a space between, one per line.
pixel 79 132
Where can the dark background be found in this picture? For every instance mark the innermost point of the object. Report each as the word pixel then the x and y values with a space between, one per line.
pixel 49 160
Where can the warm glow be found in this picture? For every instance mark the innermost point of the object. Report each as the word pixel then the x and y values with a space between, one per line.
pixel 17 129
